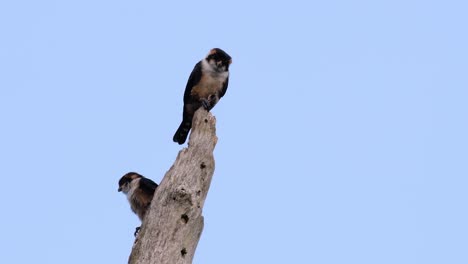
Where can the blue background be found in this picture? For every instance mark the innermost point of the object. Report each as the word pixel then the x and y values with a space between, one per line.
pixel 342 136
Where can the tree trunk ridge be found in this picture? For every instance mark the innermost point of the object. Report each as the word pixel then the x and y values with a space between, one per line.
pixel 172 227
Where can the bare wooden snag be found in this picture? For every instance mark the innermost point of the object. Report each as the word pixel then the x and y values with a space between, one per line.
pixel 172 228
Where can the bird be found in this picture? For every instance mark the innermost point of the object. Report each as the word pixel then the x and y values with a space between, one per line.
pixel 139 191
pixel 207 83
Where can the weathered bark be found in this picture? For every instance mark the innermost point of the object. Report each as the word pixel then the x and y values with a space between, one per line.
pixel 174 223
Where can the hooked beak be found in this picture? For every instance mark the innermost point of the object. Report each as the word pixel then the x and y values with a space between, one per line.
pixel 120 189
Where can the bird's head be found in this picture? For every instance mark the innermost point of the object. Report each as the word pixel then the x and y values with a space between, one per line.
pixel 124 182
pixel 219 60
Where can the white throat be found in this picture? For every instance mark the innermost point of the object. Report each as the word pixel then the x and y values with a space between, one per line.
pixel 211 69
pixel 133 186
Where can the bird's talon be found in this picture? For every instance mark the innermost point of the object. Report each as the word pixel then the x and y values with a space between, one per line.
pixel 205 104
pixel 137 230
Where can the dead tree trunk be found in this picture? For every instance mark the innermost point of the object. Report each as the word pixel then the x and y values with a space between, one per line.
pixel 173 226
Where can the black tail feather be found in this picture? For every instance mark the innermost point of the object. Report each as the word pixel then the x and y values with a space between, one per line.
pixel 182 132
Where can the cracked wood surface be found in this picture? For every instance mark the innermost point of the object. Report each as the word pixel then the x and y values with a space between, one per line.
pixel 172 228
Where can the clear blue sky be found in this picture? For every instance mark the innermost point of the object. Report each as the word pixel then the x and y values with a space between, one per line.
pixel 342 136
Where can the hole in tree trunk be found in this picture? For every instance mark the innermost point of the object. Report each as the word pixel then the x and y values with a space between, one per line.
pixel 185 218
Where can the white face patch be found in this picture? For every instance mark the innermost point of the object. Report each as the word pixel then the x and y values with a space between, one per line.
pixel 129 190
pixel 125 188
pixel 210 67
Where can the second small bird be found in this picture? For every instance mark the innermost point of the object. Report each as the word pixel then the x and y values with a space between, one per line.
pixel 207 83
pixel 139 191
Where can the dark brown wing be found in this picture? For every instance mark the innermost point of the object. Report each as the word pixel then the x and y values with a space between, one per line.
pixel 224 89
pixel 148 186
pixel 193 80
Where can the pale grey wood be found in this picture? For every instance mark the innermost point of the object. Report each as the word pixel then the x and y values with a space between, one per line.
pixel 174 223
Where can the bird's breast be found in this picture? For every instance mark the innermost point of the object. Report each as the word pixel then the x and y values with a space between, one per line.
pixel 209 84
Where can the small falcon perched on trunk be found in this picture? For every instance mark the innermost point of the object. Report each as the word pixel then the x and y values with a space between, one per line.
pixel 139 191
pixel 207 83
